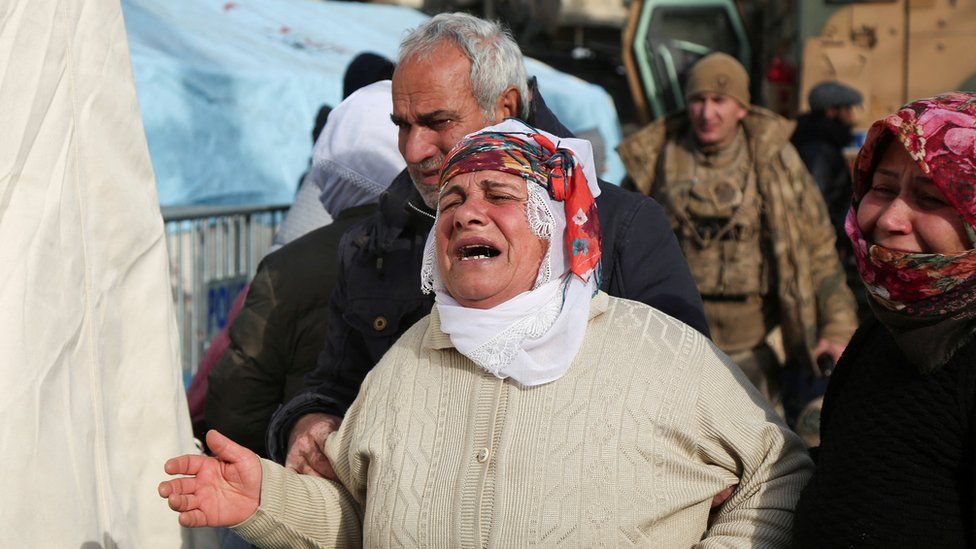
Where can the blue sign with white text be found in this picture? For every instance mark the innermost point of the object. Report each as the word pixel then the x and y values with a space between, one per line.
pixel 220 297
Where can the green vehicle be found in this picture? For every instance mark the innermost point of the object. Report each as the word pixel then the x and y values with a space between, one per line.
pixel 664 38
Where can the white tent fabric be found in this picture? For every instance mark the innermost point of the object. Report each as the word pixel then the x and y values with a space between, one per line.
pixel 92 402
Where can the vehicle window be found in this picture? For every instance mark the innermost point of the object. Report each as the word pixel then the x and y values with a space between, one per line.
pixel 678 37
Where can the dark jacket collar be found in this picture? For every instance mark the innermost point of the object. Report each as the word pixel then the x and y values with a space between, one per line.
pixel 817 127
pixel 541 117
pixel 401 209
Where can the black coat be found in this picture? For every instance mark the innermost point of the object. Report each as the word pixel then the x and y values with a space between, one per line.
pixel 897 459
pixel 820 142
pixel 277 337
pixel 377 295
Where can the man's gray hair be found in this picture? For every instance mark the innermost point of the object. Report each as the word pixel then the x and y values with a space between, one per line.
pixel 496 60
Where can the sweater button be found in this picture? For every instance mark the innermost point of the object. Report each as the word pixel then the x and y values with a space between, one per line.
pixel 482 455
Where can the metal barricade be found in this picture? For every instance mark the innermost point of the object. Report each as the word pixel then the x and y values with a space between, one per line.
pixel 214 252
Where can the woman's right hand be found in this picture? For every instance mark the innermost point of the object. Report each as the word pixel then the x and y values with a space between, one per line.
pixel 218 491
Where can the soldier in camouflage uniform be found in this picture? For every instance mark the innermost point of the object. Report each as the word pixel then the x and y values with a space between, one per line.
pixel 751 222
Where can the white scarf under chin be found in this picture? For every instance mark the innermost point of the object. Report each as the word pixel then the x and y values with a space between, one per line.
pixel 531 338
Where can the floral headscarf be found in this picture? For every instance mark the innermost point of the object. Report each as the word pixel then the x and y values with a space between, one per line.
pixel 939 134
pixel 536 159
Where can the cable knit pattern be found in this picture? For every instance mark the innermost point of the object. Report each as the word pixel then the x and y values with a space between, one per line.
pixel 628 448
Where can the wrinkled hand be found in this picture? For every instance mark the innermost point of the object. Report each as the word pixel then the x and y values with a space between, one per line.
pixel 221 491
pixel 306 445
pixel 830 348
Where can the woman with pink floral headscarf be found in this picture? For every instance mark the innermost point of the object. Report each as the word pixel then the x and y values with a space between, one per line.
pixel 897 461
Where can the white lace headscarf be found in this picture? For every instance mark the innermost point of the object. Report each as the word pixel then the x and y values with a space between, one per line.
pixel 533 337
pixel 355 158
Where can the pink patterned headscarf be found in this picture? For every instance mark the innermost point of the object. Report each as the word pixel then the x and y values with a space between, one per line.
pixel 939 133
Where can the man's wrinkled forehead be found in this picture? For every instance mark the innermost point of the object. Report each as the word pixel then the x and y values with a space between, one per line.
pixel 433 81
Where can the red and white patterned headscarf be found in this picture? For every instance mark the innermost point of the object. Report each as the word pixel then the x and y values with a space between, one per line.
pixel 534 157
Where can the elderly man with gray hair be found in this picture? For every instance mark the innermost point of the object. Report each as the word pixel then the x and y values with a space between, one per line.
pixel 456 74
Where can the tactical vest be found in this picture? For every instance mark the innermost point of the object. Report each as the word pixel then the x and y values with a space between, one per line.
pixel 716 215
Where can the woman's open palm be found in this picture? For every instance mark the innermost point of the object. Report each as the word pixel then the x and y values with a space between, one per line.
pixel 218 491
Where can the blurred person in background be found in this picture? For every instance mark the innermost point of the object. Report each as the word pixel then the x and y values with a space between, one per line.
pixel 277 322
pixel 317 188
pixel 898 431
pixel 320 199
pixel 821 136
pixel 363 70
pixel 750 222
pixel 275 339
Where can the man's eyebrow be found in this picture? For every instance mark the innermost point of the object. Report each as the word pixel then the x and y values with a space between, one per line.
pixel 428 118
pixel 397 119
pixel 889 173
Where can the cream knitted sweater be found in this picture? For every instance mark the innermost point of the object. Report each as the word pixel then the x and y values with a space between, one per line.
pixel 628 448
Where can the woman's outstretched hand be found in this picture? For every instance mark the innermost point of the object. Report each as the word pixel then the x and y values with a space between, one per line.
pixel 220 491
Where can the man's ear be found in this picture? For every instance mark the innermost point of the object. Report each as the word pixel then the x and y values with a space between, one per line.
pixel 507 105
pixel 741 113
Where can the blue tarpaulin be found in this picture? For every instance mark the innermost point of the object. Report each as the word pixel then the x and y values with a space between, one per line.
pixel 229 89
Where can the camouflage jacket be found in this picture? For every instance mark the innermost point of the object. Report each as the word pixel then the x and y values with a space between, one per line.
pixel 814 299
